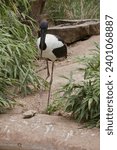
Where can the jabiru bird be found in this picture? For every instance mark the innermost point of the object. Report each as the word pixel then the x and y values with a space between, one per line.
pixel 51 48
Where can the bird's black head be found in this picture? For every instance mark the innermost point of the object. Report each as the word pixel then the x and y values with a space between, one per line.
pixel 43 25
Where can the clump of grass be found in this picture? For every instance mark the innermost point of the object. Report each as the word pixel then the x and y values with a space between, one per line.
pixel 77 9
pixel 57 105
pixel 82 100
pixel 17 53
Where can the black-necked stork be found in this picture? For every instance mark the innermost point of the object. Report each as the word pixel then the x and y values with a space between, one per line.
pixel 51 48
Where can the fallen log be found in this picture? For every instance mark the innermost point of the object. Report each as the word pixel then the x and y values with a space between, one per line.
pixel 74 30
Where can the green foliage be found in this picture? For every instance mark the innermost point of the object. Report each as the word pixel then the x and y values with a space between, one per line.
pixel 5 97
pixel 56 105
pixel 83 99
pixel 17 52
pixel 77 9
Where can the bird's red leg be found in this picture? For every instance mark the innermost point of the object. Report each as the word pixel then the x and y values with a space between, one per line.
pixel 51 80
pixel 48 72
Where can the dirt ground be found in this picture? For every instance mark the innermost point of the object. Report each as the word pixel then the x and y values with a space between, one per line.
pixel 38 101
pixel 49 132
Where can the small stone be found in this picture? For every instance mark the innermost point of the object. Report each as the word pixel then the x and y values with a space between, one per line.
pixel 29 114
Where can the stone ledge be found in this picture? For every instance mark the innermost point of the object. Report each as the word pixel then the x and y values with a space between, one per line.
pixel 43 132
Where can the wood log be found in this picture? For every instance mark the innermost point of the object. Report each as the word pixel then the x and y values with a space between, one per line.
pixel 73 31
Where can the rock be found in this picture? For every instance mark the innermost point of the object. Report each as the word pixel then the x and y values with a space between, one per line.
pixel 77 30
pixel 29 114
pixel 44 132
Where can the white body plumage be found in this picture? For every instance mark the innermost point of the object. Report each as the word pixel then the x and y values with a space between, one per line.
pixel 52 42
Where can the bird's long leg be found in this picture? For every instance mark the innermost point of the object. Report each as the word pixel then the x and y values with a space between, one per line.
pixel 48 72
pixel 51 80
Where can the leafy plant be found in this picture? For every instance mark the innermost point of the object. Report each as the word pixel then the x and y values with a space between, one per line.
pixel 77 9
pixel 83 99
pixel 17 52
pixel 57 105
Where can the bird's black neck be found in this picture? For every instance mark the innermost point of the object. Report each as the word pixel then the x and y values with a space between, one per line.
pixel 42 39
